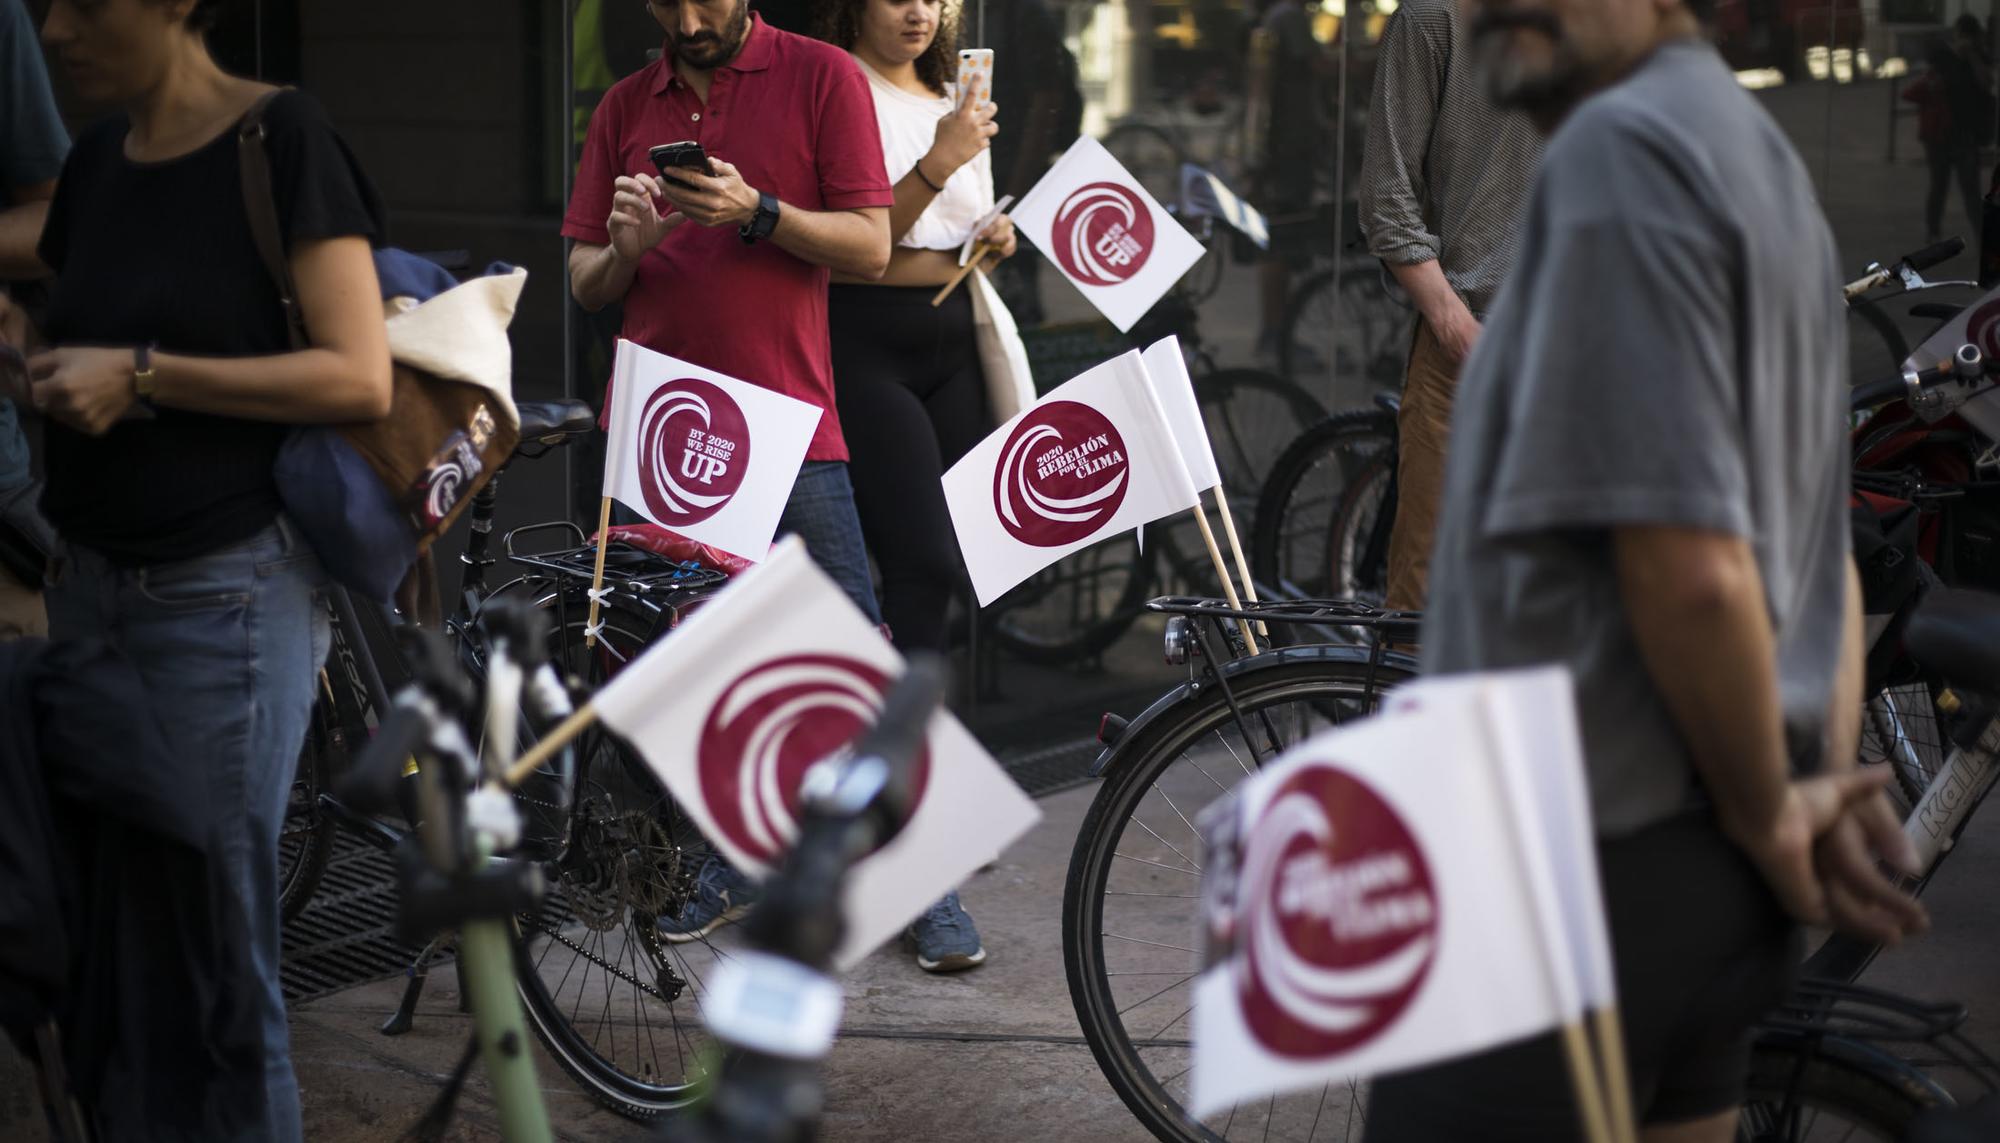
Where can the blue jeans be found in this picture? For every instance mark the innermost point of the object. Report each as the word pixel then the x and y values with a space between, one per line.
pixel 228 645
pixel 821 512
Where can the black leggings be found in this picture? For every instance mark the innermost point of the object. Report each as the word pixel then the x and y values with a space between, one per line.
pixel 907 383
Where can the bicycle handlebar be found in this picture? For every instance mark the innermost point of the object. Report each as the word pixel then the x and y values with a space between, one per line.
pixel 1968 364
pixel 1935 253
pixel 1909 268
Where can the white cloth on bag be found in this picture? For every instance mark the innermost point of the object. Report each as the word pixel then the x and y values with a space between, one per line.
pixel 1003 356
pixel 908 123
pixel 461 335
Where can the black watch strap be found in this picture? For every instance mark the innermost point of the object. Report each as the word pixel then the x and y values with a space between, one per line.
pixel 764 221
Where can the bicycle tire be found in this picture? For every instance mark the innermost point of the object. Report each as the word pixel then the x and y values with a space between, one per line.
pixel 1063 613
pixel 1250 415
pixel 339 717
pixel 626 857
pixel 1365 339
pixel 1152 156
pixel 1300 505
pixel 1332 683
pixel 1818 1079
pixel 305 842
pixel 1885 329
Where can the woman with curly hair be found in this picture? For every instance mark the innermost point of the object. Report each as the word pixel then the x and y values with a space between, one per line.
pixel 906 375
pixel 169 387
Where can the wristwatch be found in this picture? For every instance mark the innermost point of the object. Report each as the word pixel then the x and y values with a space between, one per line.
pixel 763 222
pixel 144 382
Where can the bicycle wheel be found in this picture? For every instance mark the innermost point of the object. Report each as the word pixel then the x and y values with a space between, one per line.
pixel 306 840
pixel 1815 1093
pixel 340 717
pixel 1901 727
pixel 1883 349
pixel 1359 338
pixel 1250 415
pixel 1076 607
pixel 1132 898
pixel 1320 525
pixel 617 1006
pixel 1153 157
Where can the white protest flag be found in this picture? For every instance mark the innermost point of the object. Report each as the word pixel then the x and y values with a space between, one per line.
pixel 1167 369
pixel 707 455
pixel 778 672
pixel 1093 458
pixel 1532 719
pixel 1105 233
pixel 1365 910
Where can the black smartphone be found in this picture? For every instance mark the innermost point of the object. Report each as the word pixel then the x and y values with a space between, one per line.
pixel 687 156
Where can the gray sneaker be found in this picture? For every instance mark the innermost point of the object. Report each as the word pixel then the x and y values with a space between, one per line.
pixel 946 939
pixel 721 896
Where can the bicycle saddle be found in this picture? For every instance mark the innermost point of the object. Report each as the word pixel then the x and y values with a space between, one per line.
pixel 554 422
pixel 1956 632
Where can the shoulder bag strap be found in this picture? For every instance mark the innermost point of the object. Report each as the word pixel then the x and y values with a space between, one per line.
pixel 260 202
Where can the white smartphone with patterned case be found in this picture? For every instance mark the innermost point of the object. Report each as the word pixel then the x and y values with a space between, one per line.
pixel 975 75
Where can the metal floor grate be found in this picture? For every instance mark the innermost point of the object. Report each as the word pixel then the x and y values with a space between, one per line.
pixel 1052 769
pixel 345 936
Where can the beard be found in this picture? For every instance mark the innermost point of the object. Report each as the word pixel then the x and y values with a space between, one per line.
pixel 706 51
pixel 1543 88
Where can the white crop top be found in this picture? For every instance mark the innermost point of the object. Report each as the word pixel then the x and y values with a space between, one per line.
pixel 908 123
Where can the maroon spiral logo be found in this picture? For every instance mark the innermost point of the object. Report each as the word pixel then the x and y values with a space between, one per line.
pixel 1103 234
pixel 769 727
pixel 1983 330
pixel 1062 475
pixel 1334 924
pixel 694 447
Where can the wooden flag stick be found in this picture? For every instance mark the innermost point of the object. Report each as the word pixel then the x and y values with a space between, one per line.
pixel 979 254
pixel 561 736
pixel 1236 547
pixel 1222 570
pixel 1617 1080
pixel 1583 1078
pixel 597 574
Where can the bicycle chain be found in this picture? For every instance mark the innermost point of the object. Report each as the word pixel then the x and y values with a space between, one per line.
pixel 652 990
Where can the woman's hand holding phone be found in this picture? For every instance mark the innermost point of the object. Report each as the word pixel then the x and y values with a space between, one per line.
pixel 636 224
pixel 960 137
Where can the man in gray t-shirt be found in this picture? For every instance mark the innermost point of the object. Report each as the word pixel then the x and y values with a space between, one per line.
pixel 1648 483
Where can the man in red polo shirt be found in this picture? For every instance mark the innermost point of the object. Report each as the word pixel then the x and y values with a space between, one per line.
pixel 733 276
pixel 730 272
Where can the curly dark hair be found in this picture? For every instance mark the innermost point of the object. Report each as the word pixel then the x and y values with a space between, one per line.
pixel 838 22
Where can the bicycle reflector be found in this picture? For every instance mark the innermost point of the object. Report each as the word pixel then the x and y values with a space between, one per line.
pixel 1111 728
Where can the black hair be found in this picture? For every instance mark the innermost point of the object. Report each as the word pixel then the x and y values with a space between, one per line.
pixel 1703 10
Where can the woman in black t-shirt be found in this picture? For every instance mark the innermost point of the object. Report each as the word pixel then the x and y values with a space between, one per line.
pixel 169 387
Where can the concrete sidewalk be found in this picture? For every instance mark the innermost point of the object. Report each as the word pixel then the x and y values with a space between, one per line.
pixel 989 1054
pixel 993 1054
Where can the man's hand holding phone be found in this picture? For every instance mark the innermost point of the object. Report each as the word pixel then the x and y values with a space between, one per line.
pixel 721 199
pixel 636 224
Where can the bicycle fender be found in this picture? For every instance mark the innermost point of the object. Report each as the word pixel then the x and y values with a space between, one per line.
pixel 1907 1077
pixel 1193 690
